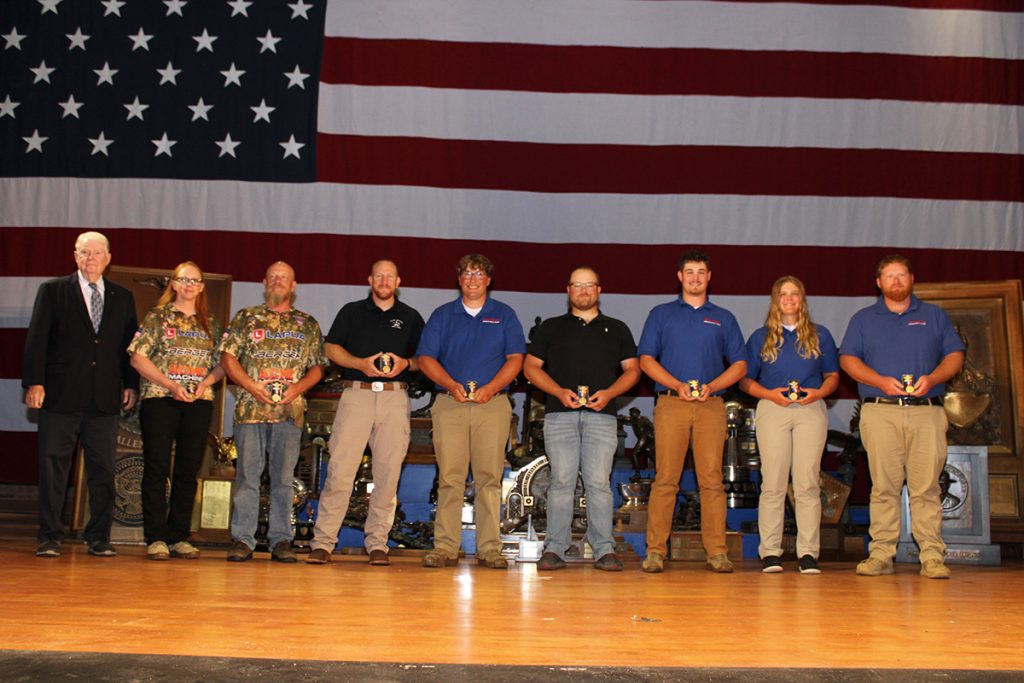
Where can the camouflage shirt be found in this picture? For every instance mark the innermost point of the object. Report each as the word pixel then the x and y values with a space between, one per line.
pixel 273 348
pixel 177 345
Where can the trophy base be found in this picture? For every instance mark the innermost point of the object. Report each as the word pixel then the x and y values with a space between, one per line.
pixel 956 553
pixel 631 519
pixel 687 546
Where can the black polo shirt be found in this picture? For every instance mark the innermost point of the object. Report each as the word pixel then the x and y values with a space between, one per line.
pixel 576 352
pixel 363 329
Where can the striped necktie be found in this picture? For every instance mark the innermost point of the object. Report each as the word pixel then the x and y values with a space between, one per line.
pixel 96 307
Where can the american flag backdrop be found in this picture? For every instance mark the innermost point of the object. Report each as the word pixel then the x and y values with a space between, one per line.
pixel 806 138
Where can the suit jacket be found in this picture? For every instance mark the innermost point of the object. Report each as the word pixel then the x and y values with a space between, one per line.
pixel 78 367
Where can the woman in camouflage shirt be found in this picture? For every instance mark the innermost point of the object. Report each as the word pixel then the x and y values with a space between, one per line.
pixel 174 352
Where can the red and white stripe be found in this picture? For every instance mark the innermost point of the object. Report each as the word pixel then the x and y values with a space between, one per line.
pixel 804 138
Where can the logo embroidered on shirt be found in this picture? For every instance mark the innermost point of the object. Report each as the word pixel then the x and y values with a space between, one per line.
pixel 710 321
pixel 396 324
pixel 170 332
pixel 258 335
pixel 491 321
pixel 916 322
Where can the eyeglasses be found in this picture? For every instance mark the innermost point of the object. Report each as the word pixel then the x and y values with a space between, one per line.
pixel 582 285
pixel 90 253
pixel 473 275
pixel 187 281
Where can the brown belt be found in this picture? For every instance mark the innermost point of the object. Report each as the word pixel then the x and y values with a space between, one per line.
pixel 374 386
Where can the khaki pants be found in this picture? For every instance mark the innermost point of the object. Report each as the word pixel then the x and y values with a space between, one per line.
pixel 382 419
pixel 469 435
pixel 675 421
pixel 790 439
pixel 905 443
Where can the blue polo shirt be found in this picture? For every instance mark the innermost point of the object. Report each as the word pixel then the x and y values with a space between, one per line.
pixel 894 344
pixel 692 343
pixel 789 365
pixel 472 348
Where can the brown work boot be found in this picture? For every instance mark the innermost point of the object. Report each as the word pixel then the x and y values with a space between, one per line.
pixel 873 566
pixel 492 560
pixel 239 552
pixel 935 569
pixel 609 562
pixel 283 552
pixel 719 564
pixel 436 558
pixel 379 558
pixel 549 562
pixel 654 563
pixel 318 556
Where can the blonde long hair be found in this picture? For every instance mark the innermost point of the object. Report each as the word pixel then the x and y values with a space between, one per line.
pixel 807 344
pixel 169 295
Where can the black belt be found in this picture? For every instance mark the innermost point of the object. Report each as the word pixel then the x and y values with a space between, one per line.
pixel 374 386
pixel 904 401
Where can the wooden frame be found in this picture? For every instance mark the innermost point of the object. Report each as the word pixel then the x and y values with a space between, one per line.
pixel 988 315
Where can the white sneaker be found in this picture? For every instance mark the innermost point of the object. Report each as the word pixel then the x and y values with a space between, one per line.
pixel 185 550
pixel 157 550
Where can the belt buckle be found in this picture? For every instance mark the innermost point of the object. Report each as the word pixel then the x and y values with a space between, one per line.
pixel 377 386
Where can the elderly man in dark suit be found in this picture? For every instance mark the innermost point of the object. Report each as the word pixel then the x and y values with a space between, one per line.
pixel 76 372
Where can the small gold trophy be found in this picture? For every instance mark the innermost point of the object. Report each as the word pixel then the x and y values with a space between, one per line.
pixel 908 383
pixel 385 363
pixel 190 387
pixel 794 390
pixel 276 389
pixel 694 388
pixel 471 390
pixel 583 392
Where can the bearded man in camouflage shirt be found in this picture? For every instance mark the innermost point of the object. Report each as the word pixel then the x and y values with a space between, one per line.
pixel 274 353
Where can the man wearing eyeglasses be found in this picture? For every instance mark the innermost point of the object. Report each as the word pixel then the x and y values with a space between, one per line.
pixel 694 351
pixel 77 374
pixel 374 341
pixel 583 361
pixel 472 348
pixel 274 353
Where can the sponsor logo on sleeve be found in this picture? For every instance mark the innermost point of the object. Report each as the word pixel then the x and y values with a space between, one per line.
pixel 258 335
pixel 170 332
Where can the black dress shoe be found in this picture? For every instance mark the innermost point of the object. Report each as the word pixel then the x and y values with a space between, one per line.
pixel 379 558
pixel 102 549
pixel 48 549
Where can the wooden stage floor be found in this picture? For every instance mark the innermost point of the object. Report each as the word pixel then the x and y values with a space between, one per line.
pixel 579 617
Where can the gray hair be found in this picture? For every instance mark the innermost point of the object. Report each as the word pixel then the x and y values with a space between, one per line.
pixel 91 236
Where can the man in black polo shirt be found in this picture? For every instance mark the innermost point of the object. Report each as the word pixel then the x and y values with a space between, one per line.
pixel 374 340
pixel 583 360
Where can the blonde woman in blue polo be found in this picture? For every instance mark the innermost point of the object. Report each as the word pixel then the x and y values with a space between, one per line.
pixel 792 365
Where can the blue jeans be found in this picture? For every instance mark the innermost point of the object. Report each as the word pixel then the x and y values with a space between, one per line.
pixel 581 439
pixel 281 441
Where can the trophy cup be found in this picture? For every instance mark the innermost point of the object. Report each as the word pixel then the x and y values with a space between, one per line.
pixel 793 393
pixel 694 388
pixel 471 390
pixel 583 394
pixel 384 363
pixel 276 389
pixel 908 383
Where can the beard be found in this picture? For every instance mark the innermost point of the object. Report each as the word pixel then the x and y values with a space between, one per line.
pixel 276 298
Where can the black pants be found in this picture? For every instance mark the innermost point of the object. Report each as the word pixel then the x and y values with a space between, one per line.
pixel 58 433
pixel 167 423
